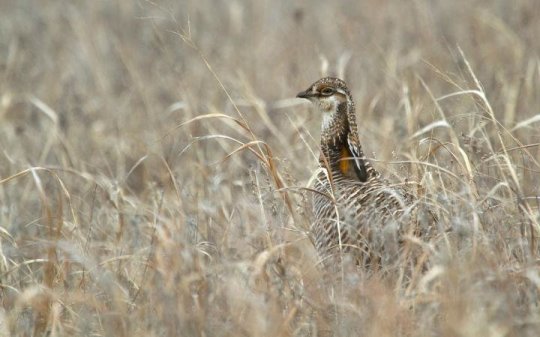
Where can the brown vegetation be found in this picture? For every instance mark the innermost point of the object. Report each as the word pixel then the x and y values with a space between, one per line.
pixel 154 165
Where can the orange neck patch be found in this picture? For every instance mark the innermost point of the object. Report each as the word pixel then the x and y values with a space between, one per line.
pixel 344 164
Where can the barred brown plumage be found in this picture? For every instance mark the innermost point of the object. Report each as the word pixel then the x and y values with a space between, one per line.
pixel 355 210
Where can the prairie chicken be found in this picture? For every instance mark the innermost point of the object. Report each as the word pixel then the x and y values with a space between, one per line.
pixel 355 210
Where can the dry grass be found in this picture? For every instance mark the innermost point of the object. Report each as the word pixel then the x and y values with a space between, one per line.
pixel 153 165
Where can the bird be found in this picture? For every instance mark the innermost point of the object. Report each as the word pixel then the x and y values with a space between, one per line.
pixel 357 213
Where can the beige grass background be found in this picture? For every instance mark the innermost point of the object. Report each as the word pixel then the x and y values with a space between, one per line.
pixel 121 215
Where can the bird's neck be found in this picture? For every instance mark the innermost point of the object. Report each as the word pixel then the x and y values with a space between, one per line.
pixel 335 128
pixel 338 129
pixel 334 134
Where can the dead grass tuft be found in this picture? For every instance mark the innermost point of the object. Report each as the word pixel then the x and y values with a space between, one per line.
pixel 154 167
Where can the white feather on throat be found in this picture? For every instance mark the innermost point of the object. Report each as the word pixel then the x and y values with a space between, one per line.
pixel 328 107
pixel 328 117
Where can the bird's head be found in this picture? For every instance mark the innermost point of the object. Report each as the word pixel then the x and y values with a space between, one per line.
pixel 331 96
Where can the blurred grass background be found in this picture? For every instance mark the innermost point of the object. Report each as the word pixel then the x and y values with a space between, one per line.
pixel 120 215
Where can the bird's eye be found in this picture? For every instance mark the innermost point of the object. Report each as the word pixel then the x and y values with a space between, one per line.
pixel 327 91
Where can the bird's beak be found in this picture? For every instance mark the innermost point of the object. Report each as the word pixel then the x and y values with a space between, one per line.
pixel 305 94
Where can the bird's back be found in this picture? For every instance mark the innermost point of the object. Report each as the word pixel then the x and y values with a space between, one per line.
pixel 360 219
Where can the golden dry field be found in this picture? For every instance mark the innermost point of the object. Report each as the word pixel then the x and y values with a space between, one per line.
pixel 155 165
